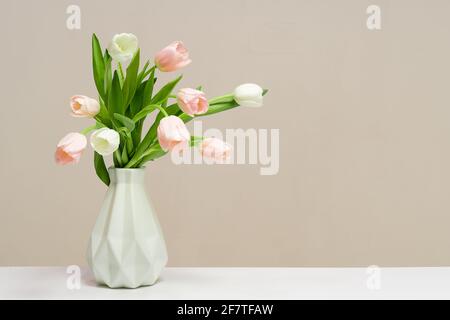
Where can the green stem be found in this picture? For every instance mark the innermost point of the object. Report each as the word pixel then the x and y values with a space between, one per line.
pixel 117 156
pixel 221 99
pixel 85 131
pixel 162 110
pixel 121 76
pixel 129 145
pixel 195 141
pixel 129 164
pixel 116 164
pixel 135 161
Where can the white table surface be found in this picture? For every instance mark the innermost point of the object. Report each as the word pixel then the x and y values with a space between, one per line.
pixel 236 283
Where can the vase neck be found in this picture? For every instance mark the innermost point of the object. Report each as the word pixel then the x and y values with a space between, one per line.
pixel 130 176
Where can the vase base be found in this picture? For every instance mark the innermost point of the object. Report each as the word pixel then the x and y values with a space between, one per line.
pixel 126 286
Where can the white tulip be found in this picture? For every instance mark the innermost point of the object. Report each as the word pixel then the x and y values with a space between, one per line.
pixel 249 95
pixel 105 141
pixel 123 47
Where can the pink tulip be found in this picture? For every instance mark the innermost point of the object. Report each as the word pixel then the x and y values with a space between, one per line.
pixel 83 106
pixel 192 101
pixel 172 57
pixel 70 147
pixel 172 133
pixel 215 149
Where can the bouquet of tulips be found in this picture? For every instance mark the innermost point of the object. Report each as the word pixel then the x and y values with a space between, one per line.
pixel 127 95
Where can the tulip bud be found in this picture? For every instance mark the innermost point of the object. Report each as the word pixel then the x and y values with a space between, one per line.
pixel 249 95
pixel 192 101
pixel 172 57
pixel 84 107
pixel 172 133
pixel 69 148
pixel 215 149
pixel 105 141
pixel 123 47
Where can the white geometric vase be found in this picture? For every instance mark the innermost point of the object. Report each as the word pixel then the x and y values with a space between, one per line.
pixel 127 248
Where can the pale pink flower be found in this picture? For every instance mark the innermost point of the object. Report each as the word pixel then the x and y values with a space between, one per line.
pixel 172 57
pixel 192 101
pixel 172 133
pixel 215 149
pixel 84 107
pixel 70 147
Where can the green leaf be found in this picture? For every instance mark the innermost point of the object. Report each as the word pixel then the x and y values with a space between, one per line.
pixel 115 99
pixel 98 66
pixel 165 91
pixel 136 105
pixel 108 72
pixel 100 168
pixel 130 84
pixel 144 112
pixel 155 154
pixel 141 76
pixel 124 132
pixel 124 155
pixel 126 139
pixel 220 107
pixel 148 89
pixel 174 110
pixel 150 154
pixel 143 97
pixel 103 115
pixel 117 159
pixel 140 150
pixel 127 122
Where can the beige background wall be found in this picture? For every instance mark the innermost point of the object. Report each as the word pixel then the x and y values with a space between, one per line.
pixel 364 119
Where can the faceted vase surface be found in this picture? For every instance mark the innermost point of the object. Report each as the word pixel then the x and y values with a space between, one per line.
pixel 127 247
